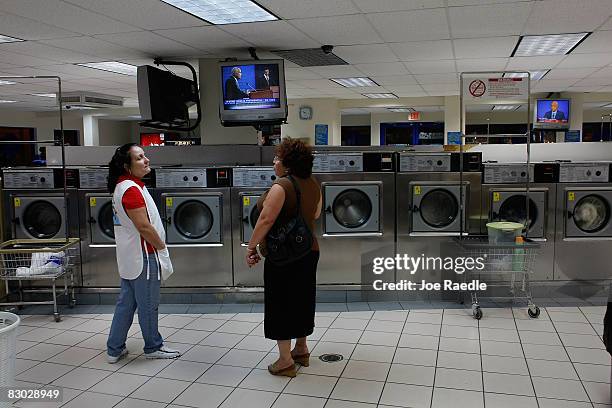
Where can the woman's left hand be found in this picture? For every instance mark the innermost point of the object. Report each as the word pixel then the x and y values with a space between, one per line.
pixel 252 257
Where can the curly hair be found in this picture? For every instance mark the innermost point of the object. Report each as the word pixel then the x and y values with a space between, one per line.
pixel 296 156
pixel 116 167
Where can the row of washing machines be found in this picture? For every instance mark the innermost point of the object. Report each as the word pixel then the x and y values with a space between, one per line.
pixel 375 205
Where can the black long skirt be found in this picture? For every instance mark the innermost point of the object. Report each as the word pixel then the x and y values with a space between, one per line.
pixel 289 298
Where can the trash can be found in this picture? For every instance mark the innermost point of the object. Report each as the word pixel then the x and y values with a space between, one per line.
pixel 8 347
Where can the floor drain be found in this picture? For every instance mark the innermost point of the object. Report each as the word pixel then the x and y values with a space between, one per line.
pixel 331 358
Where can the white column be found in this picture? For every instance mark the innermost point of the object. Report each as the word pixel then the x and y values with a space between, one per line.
pixel 452 118
pixel 91 136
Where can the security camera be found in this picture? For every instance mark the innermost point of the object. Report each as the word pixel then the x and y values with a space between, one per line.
pixel 327 49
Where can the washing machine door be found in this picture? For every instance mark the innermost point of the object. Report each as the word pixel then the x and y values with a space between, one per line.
pixel 193 219
pixel 588 213
pixel 39 217
pixel 100 219
pixel 250 214
pixel 510 206
pixel 435 208
pixel 352 208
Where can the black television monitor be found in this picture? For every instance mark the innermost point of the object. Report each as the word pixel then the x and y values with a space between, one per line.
pixel 252 92
pixel 552 113
pixel 164 98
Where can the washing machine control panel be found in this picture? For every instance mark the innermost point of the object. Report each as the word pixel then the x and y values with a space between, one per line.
pixel 584 172
pixel 35 179
pixel 507 173
pixel 253 176
pixel 337 163
pixel 93 178
pixel 425 162
pixel 180 178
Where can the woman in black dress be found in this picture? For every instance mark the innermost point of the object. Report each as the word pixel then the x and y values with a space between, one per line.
pixel 289 290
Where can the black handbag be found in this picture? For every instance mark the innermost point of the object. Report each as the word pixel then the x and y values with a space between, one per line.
pixel 607 334
pixel 292 240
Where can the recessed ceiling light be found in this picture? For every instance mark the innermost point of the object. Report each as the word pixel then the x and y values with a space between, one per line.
pixel 535 75
pixel 2 82
pixel 7 39
pixel 400 109
pixel 6 101
pixel 112 66
pixel 505 107
pixel 224 11
pixel 552 44
pixel 44 95
pixel 355 81
pixel 380 95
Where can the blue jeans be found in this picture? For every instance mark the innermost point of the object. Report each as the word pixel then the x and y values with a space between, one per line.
pixel 142 294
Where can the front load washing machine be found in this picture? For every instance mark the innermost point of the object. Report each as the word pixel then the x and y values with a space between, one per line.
pixel 195 209
pixel 584 222
pixel 248 184
pixel 504 196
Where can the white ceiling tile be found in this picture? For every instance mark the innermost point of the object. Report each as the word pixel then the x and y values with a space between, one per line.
pixel 208 38
pixel 488 20
pixel 577 73
pixel 404 88
pixel 289 9
pixel 431 67
pixel 145 14
pixel 386 68
pixel 70 71
pixel 483 64
pixel 430 24
pixel 600 81
pixel 369 6
pixel 583 88
pixel 454 3
pixel 24 60
pixel 90 45
pixel 438 79
pixel 605 72
pixel 317 83
pixel 336 71
pixel 300 73
pixel 27 29
pixel 385 80
pixel 35 49
pixel 485 47
pixel 369 89
pixel 277 35
pixel 423 50
pixel 567 16
pixel 586 60
pixel 410 94
pixel 149 43
pixel 356 54
pixel 338 30
pixel 599 41
pixel 534 63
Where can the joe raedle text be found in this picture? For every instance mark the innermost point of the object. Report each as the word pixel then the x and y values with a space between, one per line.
pixel 447 285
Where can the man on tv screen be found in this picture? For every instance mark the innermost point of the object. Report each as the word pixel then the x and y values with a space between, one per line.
pixel 232 89
pixel 554 113
pixel 264 81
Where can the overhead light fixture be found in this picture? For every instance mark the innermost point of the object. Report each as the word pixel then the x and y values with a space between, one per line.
pixel 223 11
pixel 355 81
pixel 505 107
pixel 44 95
pixel 551 44
pixel 112 66
pixel 535 75
pixel 608 105
pixel 400 109
pixel 6 101
pixel 3 82
pixel 379 95
pixel 7 39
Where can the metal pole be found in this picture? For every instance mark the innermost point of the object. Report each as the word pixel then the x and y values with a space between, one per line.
pixel 528 154
pixel 461 139
pixel 62 141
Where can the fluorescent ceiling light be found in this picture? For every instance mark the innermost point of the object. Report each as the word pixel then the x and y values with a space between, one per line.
pixel 7 39
pixel 2 82
pixel 380 95
pixel 608 105
pixel 401 109
pixel 112 66
pixel 224 11
pixel 6 101
pixel 356 81
pixel 81 107
pixel 535 75
pixel 552 44
pixel 505 107
pixel 44 95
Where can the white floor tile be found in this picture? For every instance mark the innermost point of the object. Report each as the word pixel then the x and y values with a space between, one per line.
pixel 143 366
pixel 206 324
pixel 241 398
pixel 386 326
pixel 138 403
pixel 40 334
pixel 42 351
pixel 581 340
pixel 366 370
pixel 69 338
pixel 589 356
pixel 263 380
pixel 544 338
pixel 459 361
pixel 500 348
pixel 555 403
pixel 120 384
pixel 509 401
pixel 459 345
pixel 205 354
pixel 44 373
pixel 249 317
pixel 175 321
pixel 423 329
pixel 379 338
pixel 74 356
pixel 499 335
pixel 224 375
pixel 242 358
pixel 363 315
pixel 391 315
pixel 535 325
pixel 298 401
pixel 381 354
pixel 188 336
pixel 318 367
pixel 357 390
pixel 67 322
pixel 411 374
pixel 552 369
pixel 598 392
pixel 256 343
pixel 561 389
pixel 184 370
pixel 508 384
pixel 460 332
pixel 593 372
pixel 93 400
pixel 542 352
pixel 322 321
pixel 349 324
pixel 92 326
pixel 506 323
pixel 415 356
pixel 326 347
pixel 331 403
pixel 81 378
pixel 160 390
pixel 342 335
pixel 444 398
pixel 504 365
pixel 22 365
pixel 458 379
pixel 312 385
pixel 237 327
pixel 99 362
pixel 575 328
pixel 433 319
pixel 459 320
pixel 218 339
pixel 203 396
pixel 558 316
pixel 24 345
pixel 403 395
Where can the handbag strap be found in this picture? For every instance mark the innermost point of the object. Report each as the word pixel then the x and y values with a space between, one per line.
pixel 298 194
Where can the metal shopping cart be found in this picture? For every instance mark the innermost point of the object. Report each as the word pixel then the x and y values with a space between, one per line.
pixel 40 259
pixel 505 265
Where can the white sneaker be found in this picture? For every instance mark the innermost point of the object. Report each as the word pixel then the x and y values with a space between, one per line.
pixel 163 352
pixel 113 359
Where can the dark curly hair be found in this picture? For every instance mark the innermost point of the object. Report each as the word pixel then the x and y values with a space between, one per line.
pixel 116 167
pixel 296 156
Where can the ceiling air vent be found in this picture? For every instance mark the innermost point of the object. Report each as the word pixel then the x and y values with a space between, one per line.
pixel 91 100
pixel 310 57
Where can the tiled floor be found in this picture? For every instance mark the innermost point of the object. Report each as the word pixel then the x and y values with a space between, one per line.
pixel 392 358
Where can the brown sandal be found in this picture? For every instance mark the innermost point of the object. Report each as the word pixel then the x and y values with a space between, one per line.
pixel 290 371
pixel 302 359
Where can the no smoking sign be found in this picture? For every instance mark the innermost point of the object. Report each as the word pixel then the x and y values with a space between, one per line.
pixel 477 88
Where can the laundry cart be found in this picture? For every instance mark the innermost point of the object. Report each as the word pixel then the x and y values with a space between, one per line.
pixel 36 259
pixel 505 267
